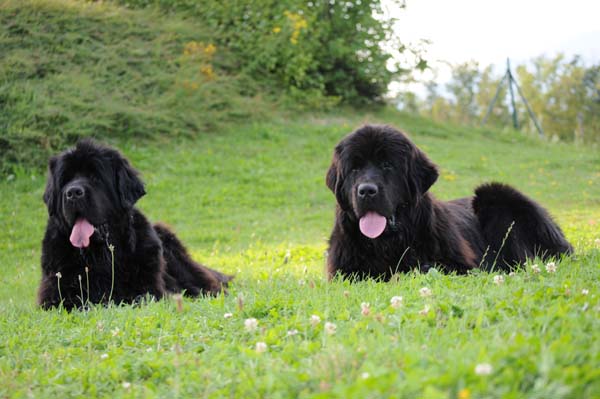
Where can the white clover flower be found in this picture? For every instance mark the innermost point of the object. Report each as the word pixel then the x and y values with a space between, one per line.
pixel 126 384
pixel 365 308
pixel 585 291
pixel 330 328
pixel 115 332
pixel 585 307
pixel 483 369
pixel 396 301
pixel 424 311
pixel 58 275
pixel 499 279
pixel 365 375
pixel 228 315
pixel 535 268
pixel 251 324
pixel 315 320
pixel 551 267
pixel 597 242
pixel 261 347
pixel 425 292
pixel 292 332
pixel 512 274
pixel 104 356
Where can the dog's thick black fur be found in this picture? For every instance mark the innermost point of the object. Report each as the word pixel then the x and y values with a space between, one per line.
pixel 94 187
pixel 377 170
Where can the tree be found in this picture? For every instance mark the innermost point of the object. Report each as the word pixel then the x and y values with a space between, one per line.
pixel 463 88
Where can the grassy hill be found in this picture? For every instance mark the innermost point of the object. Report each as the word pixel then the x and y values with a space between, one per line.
pixel 74 68
pixel 248 197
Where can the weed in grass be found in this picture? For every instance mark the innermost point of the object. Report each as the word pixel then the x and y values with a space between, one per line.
pixel 111 248
pixel 502 245
pixel 483 369
pixel 315 320
pixel 330 328
pixel 58 277
pixel 178 298
pixel 551 267
pixel 396 302
pixel 87 283
pixel 81 291
pixel 365 308
pixel 251 324
pixel 261 347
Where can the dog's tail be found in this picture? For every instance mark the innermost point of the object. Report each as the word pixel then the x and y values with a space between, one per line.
pixel 515 227
pixel 185 274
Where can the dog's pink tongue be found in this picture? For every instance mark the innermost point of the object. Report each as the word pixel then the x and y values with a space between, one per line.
pixel 81 233
pixel 372 224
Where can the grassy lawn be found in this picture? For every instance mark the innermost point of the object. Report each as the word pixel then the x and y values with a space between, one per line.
pixel 252 201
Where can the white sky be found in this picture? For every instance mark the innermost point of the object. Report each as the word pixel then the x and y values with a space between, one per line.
pixel 488 31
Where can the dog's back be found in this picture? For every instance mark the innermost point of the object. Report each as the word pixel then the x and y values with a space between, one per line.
pixel 183 273
pixel 515 227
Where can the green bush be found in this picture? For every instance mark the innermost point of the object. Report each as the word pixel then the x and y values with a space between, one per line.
pixel 321 48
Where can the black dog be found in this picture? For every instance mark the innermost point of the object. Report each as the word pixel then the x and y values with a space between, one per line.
pixel 387 222
pixel 98 247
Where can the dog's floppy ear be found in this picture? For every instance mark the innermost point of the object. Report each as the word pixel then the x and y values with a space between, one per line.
pixel 334 179
pixel 332 174
pixel 423 171
pixel 52 190
pixel 129 184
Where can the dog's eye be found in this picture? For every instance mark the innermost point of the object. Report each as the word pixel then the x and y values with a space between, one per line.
pixel 387 166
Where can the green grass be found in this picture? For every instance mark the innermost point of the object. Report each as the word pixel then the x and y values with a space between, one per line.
pixel 248 197
pixel 251 200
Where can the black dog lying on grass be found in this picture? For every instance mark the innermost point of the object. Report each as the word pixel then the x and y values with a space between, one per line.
pixel 98 247
pixel 387 221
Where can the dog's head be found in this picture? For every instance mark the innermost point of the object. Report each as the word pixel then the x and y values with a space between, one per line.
pixel 376 171
pixel 88 186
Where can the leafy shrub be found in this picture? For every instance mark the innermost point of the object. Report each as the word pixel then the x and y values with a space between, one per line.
pixel 320 48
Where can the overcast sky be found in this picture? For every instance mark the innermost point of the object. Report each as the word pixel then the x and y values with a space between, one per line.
pixel 490 30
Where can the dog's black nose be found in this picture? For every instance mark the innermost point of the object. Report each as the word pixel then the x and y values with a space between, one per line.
pixel 366 190
pixel 74 192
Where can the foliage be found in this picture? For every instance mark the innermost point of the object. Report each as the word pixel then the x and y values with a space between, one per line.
pixel 328 49
pixel 69 70
pixel 563 94
pixel 252 201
